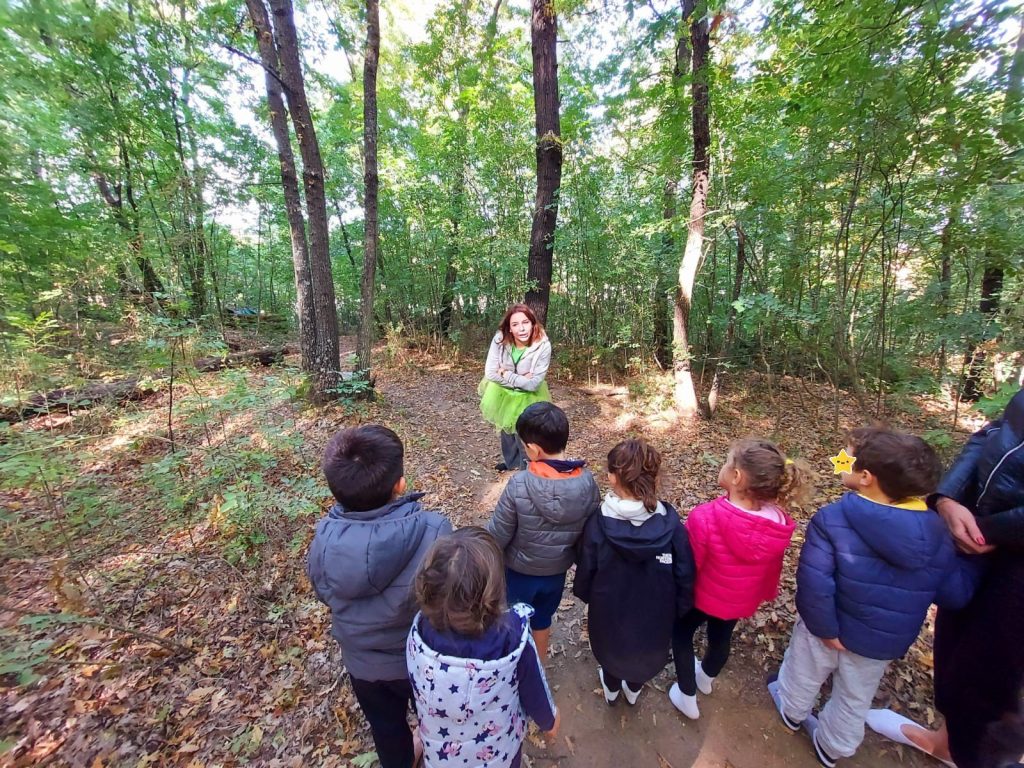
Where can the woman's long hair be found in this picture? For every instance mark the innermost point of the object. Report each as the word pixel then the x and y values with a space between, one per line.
pixel 506 324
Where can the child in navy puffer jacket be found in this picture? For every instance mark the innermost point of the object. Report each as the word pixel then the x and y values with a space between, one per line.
pixel 871 565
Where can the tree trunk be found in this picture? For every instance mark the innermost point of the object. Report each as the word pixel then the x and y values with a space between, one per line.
pixel 544 40
pixel 946 275
pixel 700 44
pixel 1010 132
pixel 988 306
pixel 326 351
pixel 371 184
pixel 289 181
pixel 711 403
pixel 662 285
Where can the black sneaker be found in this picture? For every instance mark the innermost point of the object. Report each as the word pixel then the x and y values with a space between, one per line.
pixel 773 690
pixel 501 466
pixel 823 757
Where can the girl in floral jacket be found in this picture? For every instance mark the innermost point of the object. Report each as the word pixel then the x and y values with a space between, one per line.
pixel 475 673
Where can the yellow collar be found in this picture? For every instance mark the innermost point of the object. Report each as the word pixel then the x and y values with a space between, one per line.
pixel 916 504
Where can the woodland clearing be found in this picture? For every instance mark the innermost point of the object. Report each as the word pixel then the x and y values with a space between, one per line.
pixel 155 607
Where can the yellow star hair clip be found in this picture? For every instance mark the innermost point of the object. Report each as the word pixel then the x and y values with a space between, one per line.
pixel 843 462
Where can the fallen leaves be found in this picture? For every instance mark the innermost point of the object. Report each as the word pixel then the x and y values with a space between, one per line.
pixel 261 680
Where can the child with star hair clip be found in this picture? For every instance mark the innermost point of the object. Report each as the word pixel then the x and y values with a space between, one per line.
pixel 475 672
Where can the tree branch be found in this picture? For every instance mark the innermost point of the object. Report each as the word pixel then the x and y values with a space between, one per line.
pixel 253 60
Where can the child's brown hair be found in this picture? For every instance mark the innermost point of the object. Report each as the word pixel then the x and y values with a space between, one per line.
pixel 460 585
pixel 770 476
pixel 904 465
pixel 636 463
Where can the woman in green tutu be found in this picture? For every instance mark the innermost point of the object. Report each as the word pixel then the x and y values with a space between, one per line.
pixel 517 362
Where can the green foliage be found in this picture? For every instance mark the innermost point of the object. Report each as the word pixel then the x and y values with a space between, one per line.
pixel 862 150
pixel 994 405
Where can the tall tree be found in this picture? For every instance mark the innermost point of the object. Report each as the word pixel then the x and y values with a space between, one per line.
pixel 289 180
pixel 1010 133
pixel 371 185
pixel 544 42
pixel 318 317
pixel 326 351
pixel 700 47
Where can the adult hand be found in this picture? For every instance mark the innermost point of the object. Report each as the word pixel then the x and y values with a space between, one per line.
pixel 527 375
pixel 833 643
pixel 963 527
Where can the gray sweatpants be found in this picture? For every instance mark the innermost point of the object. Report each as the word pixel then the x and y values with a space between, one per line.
pixel 806 666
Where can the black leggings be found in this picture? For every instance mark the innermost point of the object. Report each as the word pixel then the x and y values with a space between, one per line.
pixel 719 640
pixel 615 683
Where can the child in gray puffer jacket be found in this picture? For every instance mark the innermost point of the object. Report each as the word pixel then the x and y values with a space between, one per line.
pixel 362 564
pixel 540 517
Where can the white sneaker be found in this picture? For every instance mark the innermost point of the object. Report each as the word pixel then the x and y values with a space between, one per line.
pixel 703 681
pixel 685 704
pixel 630 694
pixel 609 695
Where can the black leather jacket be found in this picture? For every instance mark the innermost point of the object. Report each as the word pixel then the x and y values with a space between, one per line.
pixel 988 477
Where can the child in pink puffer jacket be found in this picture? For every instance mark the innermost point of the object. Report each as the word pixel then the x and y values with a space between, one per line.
pixel 738 542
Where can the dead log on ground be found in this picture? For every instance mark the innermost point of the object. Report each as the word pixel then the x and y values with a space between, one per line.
pixel 67 399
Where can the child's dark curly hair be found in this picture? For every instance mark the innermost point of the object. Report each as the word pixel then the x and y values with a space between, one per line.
pixel 904 465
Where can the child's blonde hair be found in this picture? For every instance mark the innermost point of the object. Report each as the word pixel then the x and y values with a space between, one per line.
pixel 770 475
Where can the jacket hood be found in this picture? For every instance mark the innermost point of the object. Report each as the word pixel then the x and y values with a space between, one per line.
pixel 641 542
pixel 905 538
pixel 632 511
pixel 562 500
pixel 380 542
pixel 751 538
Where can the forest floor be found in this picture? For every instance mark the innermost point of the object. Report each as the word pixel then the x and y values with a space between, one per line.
pixel 155 609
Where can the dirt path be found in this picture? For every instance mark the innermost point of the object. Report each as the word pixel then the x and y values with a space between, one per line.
pixel 738 727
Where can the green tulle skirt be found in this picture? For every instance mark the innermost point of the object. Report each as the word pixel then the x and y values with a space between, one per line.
pixel 501 406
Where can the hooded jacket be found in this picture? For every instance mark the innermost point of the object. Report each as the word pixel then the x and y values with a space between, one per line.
pixel 472 709
pixel 540 516
pixel 738 557
pixel 536 360
pixel 361 565
pixel 869 571
pixel 988 477
pixel 636 579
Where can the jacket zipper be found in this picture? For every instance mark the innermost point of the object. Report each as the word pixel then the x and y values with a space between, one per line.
pixel 995 469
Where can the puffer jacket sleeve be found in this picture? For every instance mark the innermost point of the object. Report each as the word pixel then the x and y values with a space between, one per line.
pixel 962 579
pixel 315 564
pixel 697 533
pixel 684 571
pixel 493 361
pixel 586 559
pixel 504 521
pixel 816 581
pixel 960 482
pixel 539 370
pixel 1004 529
